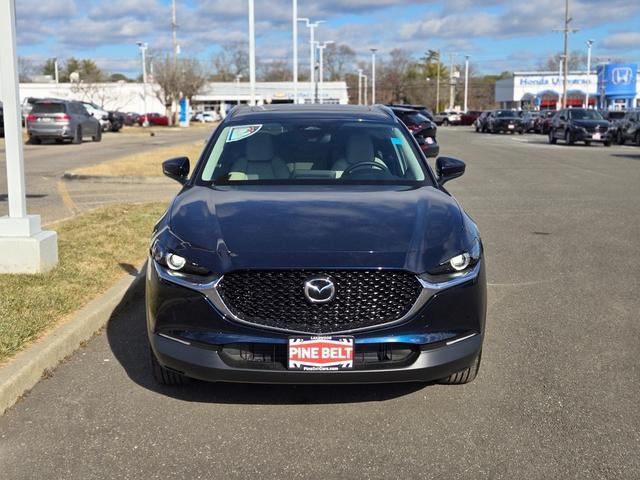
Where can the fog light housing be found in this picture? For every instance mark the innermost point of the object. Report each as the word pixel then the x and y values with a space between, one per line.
pixel 175 262
pixel 460 262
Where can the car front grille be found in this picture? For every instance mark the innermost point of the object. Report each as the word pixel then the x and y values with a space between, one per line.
pixel 276 299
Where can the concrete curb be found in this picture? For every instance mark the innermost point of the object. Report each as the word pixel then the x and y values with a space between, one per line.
pixel 115 179
pixel 26 369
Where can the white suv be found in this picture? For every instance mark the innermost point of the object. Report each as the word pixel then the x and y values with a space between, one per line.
pixel 101 115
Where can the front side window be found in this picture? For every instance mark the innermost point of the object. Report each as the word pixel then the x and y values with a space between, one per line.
pixel 584 115
pixel 303 151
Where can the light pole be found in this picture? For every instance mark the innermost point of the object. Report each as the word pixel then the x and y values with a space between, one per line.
pixel 142 46
pixel 560 69
pixel 466 81
pixel 252 54
pixel 238 77
pixel 312 45
pixel 366 87
pixel 295 50
pixel 589 44
pixel 25 247
pixel 437 109
pixel 321 47
pixel 359 86
pixel 373 75
pixel 55 70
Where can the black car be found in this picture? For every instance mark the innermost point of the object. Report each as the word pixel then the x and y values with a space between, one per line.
pixel 500 121
pixel 580 125
pixel 116 121
pixel 421 109
pixel 313 244
pixel 628 128
pixel 423 129
pixel 614 117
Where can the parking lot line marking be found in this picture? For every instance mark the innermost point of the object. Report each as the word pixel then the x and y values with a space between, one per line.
pixel 66 198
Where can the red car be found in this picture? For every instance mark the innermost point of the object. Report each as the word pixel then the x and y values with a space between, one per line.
pixel 469 117
pixel 154 119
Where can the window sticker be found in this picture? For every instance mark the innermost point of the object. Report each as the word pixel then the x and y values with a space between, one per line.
pixel 240 133
pixel 396 141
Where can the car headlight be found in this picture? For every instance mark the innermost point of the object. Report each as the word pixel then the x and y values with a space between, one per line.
pixel 460 263
pixel 175 263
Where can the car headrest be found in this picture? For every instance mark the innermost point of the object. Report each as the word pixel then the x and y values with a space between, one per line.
pixel 359 148
pixel 259 148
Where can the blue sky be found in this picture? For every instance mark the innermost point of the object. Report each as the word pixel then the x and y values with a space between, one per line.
pixel 497 34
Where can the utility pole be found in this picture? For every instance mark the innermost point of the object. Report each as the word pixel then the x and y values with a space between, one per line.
pixel 373 75
pixel 174 32
pixel 359 86
pixel 295 50
pixel 589 44
pixel 252 55
pixel 451 82
pixel 55 66
pixel 366 88
pixel 566 31
pixel 321 47
pixel 437 109
pixel 466 82
pixel 142 46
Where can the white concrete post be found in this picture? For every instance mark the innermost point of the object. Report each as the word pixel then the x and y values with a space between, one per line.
pixel 24 247
pixel 295 51
pixel 252 54
pixel 373 75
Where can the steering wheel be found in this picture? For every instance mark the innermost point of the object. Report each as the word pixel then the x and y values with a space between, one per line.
pixel 359 165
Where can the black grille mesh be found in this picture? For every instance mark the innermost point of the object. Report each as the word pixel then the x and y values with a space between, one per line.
pixel 275 298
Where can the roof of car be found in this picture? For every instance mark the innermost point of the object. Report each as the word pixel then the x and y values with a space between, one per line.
pixel 378 113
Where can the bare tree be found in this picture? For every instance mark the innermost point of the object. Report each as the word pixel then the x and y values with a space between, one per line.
pixel 336 60
pixel 577 61
pixel 176 80
pixel 275 71
pixel 231 60
pixel 393 75
pixel 26 69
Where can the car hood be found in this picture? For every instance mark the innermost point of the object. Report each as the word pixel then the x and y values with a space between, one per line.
pixel 319 226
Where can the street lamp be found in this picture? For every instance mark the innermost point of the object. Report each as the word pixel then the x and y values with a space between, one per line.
pixel 312 55
pixel 589 44
pixel 142 46
pixel 365 89
pixel 373 75
pixel 252 54
pixel 466 81
pixel 321 47
pixel 359 86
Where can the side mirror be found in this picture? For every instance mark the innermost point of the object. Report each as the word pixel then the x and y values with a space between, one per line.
pixel 177 169
pixel 449 168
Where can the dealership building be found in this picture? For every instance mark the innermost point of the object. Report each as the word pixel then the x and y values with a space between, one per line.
pixel 612 87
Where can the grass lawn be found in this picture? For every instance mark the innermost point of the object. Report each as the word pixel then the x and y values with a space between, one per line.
pixel 145 164
pixel 94 250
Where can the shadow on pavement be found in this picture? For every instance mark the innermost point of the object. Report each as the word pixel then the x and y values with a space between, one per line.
pixel 127 337
pixel 632 156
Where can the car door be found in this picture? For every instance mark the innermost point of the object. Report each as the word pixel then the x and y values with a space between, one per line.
pixel 88 125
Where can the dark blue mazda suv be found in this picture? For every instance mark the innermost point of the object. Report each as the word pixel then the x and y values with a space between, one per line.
pixel 313 244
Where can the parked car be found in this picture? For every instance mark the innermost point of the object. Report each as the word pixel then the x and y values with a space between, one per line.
pixel 131 118
pixel 26 106
pixel 500 121
pixel 421 109
pixel 61 120
pixel 543 122
pixel 154 119
pixel 206 117
pixel 469 117
pixel 628 129
pixel 580 125
pixel 529 120
pixel 613 116
pixel 116 121
pixel 98 113
pixel 423 129
pixel 314 245
pixel 448 117
pixel 481 122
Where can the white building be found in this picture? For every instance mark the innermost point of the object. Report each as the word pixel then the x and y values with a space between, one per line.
pixel 130 97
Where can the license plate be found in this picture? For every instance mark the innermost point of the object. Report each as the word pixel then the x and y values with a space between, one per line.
pixel 321 353
pixel 596 136
pixel 511 127
pixel 44 119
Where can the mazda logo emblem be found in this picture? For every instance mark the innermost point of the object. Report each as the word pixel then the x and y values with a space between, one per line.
pixel 320 289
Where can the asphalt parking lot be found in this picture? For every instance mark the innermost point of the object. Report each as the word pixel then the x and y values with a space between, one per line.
pixel 556 396
pixel 54 199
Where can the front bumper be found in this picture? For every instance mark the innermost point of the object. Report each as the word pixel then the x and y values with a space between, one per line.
pixel 190 334
pixel 581 135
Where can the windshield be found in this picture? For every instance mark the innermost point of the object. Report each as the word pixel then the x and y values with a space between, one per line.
pixel 416 118
pixel 304 151
pixel 48 108
pixel 506 113
pixel 584 115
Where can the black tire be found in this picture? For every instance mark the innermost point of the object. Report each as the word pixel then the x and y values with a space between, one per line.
pixel 162 375
pixel 587 143
pixel 552 140
pixel 98 136
pixel 466 375
pixel 568 138
pixel 445 123
pixel 35 141
pixel 521 132
pixel 477 129
pixel 638 139
pixel 77 137
pixel 607 143
pixel 619 138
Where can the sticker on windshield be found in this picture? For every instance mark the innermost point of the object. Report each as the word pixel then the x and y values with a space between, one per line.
pixel 239 133
pixel 396 141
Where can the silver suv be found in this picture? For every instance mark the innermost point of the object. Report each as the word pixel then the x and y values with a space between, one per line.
pixel 61 120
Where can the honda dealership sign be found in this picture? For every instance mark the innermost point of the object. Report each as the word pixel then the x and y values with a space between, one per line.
pixel 618 80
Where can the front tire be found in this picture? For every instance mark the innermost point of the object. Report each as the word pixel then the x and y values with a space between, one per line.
pixel 445 123
pixel 77 137
pixel 552 139
pixel 35 141
pixel 466 375
pixel 162 375
pixel 587 143
pixel 98 136
pixel 568 138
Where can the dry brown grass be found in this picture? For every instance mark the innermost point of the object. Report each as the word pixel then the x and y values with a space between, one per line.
pixel 145 164
pixel 95 250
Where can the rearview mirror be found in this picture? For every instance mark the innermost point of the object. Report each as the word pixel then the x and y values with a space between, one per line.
pixel 177 169
pixel 449 168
